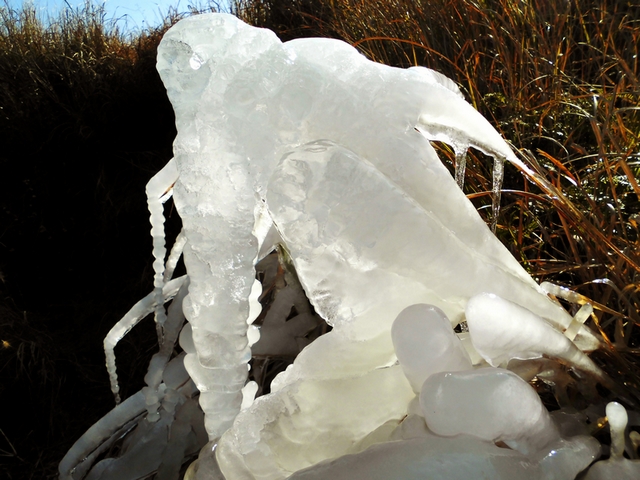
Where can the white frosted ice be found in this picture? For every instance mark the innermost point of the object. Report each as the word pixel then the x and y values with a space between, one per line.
pixel 618 418
pixel 490 403
pixel 616 467
pixel 425 343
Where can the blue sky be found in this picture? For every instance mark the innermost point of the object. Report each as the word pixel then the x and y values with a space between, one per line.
pixel 131 14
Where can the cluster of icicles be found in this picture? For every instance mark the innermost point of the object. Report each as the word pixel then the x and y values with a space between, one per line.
pixel 309 145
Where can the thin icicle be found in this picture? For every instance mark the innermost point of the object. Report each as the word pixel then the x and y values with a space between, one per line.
pixel 174 256
pixel 498 176
pixel 140 310
pixel 159 190
pixel 159 361
pixel 461 166
pixel 578 320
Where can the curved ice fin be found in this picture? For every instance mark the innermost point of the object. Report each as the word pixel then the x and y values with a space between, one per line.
pixel 523 335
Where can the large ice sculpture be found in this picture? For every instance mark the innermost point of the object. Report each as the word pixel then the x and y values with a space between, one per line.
pixel 309 144
pixel 351 132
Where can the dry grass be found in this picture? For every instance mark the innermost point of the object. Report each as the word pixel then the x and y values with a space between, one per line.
pixel 60 74
pixel 84 122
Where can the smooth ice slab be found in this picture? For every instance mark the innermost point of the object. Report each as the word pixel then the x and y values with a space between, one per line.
pixel 352 231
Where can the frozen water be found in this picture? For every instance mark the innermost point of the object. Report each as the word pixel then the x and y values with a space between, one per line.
pixel 424 343
pixel 338 148
pixel 422 454
pixel 344 242
pixel 618 418
pixel 490 403
pixel 309 144
pixel 616 466
pixel 460 458
pixel 242 101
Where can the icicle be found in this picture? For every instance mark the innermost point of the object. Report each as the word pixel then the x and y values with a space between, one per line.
pixel 140 310
pixel 159 190
pixel 174 256
pixel 618 418
pixel 158 362
pixel 461 166
pixel 498 176
pixel 528 337
pixel 563 292
pixel 617 465
pixel 579 318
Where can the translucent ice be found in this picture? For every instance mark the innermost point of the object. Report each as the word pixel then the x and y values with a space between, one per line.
pixel 460 458
pixel 338 148
pixel 528 337
pixel 360 274
pixel 490 403
pixel 425 343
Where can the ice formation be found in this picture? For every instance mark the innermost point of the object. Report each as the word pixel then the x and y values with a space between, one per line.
pixel 309 144
pixel 425 455
pixel 529 337
pixel 489 403
pixel 425 344
pixel 244 101
pixel 616 466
